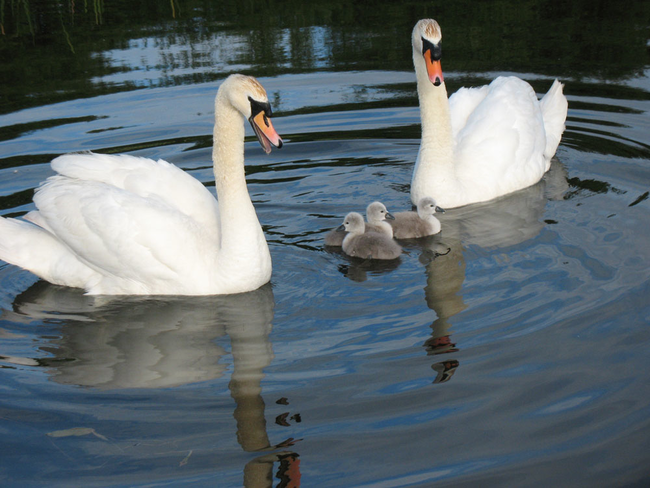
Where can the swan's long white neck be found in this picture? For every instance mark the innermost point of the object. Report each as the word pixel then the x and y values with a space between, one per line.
pixel 436 155
pixel 243 245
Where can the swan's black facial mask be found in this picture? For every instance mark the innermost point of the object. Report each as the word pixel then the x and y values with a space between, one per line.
pixel 432 54
pixel 436 50
pixel 257 107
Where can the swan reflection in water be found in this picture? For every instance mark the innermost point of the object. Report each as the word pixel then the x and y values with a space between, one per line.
pixel 501 223
pixel 164 342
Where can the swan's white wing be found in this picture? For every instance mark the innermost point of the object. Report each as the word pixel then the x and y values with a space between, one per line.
pixel 138 244
pixel 554 106
pixel 503 141
pixel 155 180
pixel 462 104
pixel 37 250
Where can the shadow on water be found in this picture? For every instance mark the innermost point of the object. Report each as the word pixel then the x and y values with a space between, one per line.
pixel 113 343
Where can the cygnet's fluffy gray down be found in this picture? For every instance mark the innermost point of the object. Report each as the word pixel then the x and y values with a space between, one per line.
pixel 376 213
pixel 411 225
pixel 370 245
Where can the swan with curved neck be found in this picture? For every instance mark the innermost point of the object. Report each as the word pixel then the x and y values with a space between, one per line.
pixel 483 142
pixel 123 225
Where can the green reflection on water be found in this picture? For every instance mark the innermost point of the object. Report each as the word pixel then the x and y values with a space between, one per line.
pixel 53 51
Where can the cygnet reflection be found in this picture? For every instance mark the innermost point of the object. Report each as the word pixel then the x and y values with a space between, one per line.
pixel 376 214
pixel 413 225
pixel 370 245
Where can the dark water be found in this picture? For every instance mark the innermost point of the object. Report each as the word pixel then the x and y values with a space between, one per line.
pixel 510 350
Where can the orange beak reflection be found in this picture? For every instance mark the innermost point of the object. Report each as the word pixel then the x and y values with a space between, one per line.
pixel 434 69
pixel 265 132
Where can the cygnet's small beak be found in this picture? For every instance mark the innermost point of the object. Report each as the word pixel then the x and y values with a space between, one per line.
pixel 390 216
pixel 341 227
pixel 440 210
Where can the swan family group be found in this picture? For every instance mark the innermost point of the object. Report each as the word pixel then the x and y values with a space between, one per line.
pixel 124 225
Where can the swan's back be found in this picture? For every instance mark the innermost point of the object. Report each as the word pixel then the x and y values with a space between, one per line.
pixel 118 225
pixel 462 104
pixel 383 228
pixel 501 146
pixel 155 180
pixel 371 245
pixel 334 238
pixel 409 225
pixel 139 245
pixel 412 225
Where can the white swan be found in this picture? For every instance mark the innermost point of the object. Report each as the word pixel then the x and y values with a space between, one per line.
pixel 367 245
pixel 122 225
pixel 376 213
pixel 411 225
pixel 482 142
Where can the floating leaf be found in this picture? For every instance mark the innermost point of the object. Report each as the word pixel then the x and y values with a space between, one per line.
pixel 99 435
pixel 76 432
pixel 186 459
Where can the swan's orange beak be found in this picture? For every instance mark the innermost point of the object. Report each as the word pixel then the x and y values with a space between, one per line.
pixel 434 70
pixel 265 132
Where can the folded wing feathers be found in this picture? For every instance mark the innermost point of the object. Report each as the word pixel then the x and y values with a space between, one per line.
pixel 147 178
pixel 554 107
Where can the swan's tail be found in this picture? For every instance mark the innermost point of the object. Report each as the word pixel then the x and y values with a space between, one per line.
pixel 35 249
pixel 554 111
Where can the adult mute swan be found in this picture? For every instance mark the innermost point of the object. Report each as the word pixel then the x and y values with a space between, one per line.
pixel 123 225
pixel 482 142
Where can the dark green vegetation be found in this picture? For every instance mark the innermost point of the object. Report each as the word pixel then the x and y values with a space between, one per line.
pixel 55 50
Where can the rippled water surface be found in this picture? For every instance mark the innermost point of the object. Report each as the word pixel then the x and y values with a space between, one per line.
pixel 510 350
